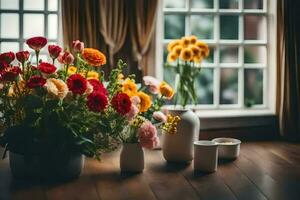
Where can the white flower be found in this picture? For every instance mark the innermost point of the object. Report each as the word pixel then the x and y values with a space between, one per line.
pixel 57 88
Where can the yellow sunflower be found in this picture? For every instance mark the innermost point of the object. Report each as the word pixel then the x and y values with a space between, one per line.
pixel 196 50
pixel 193 39
pixel 177 49
pixel 185 41
pixel 145 102
pixel 197 59
pixel 186 54
pixel 172 57
pixel 172 44
pixel 204 48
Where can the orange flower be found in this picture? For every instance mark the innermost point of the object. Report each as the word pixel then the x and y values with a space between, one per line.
pixel 172 44
pixel 93 57
pixel 186 54
pixel 185 41
pixel 166 90
pixel 172 57
pixel 196 50
pixel 129 87
pixel 197 59
pixel 204 48
pixel 145 103
pixel 193 39
pixel 177 49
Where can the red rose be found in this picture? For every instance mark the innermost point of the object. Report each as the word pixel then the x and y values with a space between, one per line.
pixel 77 46
pixel 54 51
pixel 67 58
pixel 97 102
pixel 121 103
pixel 36 43
pixel 77 84
pixel 10 73
pixel 8 57
pixel 98 87
pixel 36 81
pixel 22 56
pixel 46 68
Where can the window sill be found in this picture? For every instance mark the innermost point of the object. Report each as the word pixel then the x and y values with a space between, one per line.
pixel 233 113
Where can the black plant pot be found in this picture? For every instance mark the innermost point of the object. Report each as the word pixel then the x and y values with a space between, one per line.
pixel 55 167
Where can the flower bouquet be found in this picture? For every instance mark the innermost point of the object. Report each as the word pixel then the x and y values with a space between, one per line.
pixel 140 107
pixel 188 53
pixel 50 111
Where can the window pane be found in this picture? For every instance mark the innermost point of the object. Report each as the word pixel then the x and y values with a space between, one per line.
pixel 253 90
pixel 10 4
pixel 229 27
pixel 229 86
pixel 202 4
pixel 210 58
pixel 52 5
pixel 253 4
pixel 174 26
pixel 255 54
pixel 229 54
pixel 34 4
pixel 52 26
pixel 174 4
pixel 9 46
pixel 9 25
pixel 229 4
pixel 33 25
pixel 255 27
pixel 204 86
pixel 202 26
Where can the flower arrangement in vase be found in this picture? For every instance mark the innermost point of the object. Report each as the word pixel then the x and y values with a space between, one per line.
pixel 144 119
pixel 188 53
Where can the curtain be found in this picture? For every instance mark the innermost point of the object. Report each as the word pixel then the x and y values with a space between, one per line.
pixel 142 27
pixel 288 68
pixel 113 24
pixel 79 21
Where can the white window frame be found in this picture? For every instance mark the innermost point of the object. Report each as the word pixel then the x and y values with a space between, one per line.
pixel 21 40
pixel 269 69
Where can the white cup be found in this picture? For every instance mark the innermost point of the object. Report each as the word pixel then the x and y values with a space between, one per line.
pixel 206 156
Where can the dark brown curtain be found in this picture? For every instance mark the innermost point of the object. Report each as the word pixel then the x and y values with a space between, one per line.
pixel 120 28
pixel 288 68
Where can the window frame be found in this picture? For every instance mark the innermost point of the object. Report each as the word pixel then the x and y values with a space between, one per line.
pixel 45 12
pixel 269 69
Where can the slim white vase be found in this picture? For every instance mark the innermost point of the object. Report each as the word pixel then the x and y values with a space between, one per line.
pixel 132 158
pixel 179 147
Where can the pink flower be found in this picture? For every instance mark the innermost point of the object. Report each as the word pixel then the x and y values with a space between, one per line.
pixel 152 83
pixel 148 135
pixel 159 116
pixel 65 58
pixel 134 110
pixel 77 46
pixel 135 100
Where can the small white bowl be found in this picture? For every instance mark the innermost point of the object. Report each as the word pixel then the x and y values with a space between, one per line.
pixel 229 148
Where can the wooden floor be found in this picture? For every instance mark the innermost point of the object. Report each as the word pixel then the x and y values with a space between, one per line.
pixel 264 170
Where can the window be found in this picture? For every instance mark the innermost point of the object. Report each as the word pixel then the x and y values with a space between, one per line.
pixel 22 19
pixel 238 71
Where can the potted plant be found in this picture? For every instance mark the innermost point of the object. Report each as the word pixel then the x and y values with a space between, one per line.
pixel 188 53
pixel 50 115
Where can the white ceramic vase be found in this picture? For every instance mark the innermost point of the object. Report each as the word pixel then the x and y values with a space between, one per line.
pixel 132 158
pixel 179 147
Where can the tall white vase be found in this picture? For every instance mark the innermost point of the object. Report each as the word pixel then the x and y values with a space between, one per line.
pixel 132 158
pixel 179 147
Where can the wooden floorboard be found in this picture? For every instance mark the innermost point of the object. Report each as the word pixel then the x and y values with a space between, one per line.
pixel 264 171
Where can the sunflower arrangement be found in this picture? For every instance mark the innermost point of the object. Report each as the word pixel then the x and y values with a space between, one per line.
pixel 67 106
pixel 188 54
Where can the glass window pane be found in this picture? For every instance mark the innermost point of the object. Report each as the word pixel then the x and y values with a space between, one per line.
pixel 202 4
pixel 204 85
pixel 255 27
pixel 253 90
pixel 52 26
pixel 9 25
pixel 52 5
pixel 202 26
pixel 174 4
pixel 10 4
pixel 229 27
pixel 253 4
pixel 229 4
pixel 210 58
pixel 33 25
pixel 9 46
pixel 229 86
pixel 229 54
pixel 33 4
pixel 255 54
pixel 174 26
